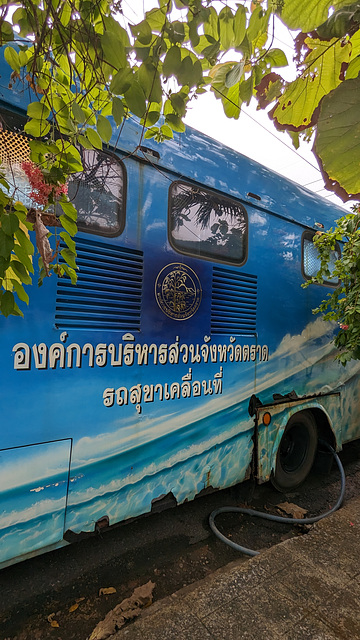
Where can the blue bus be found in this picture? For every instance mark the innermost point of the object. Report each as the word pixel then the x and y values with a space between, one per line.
pixel 186 358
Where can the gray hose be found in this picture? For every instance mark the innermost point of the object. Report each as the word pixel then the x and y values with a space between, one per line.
pixel 269 516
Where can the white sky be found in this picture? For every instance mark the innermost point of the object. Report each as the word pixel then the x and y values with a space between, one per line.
pixel 253 134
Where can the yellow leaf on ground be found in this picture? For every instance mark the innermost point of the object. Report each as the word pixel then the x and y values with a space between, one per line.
pixel 105 591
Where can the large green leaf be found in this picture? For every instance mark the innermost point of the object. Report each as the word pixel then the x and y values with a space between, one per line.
pixel 337 142
pixel 135 99
pixel 308 15
pixel 323 66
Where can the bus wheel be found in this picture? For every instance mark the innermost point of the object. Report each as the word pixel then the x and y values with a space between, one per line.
pixel 296 452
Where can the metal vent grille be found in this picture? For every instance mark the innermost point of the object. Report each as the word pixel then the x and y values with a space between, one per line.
pixel 108 291
pixel 233 303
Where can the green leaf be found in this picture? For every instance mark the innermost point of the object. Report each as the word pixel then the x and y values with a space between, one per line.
pixel 94 138
pixel 37 128
pixel 149 78
pixel 232 102
pixel 38 110
pixel 353 69
pixel 226 23
pixel 172 62
pixel 239 25
pixel 307 17
pixel 104 128
pixel 68 224
pixel 178 103
pixel 21 271
pixel 78 113
pixel 69 258
pixel 69 210
pixel 7 302
pixel 84 142
pixel 21 293
pixel 12 58
pixel 69 241
pixel 9 223
pixel 156 19
pixel 121 82
pixel 113 26
pixel 166 132
pixel 151 118
pixel 234 75
pixel 151 133
pixel 135 99
pixel 7 32
pixel 339 23
pixel 6 244
pixel 70 272
pixel 24 258
pixel 117 110
pixel 322 74
pixel 114 51
pixel 337 142
pixel 142 32
pixel 258 23
pixel 24 241
pixel 276 58
pixel 175 122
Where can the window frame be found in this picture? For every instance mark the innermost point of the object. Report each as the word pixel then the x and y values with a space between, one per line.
pixel 309 234
pixel 202 256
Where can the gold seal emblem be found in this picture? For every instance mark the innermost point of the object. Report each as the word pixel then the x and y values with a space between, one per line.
pixel 178 291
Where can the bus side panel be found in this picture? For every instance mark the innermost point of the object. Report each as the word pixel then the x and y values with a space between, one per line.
pixel 302 354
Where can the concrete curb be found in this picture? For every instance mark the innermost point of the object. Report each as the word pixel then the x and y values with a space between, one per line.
pixel 304 588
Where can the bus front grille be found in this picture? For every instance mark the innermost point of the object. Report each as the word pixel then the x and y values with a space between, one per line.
pixel 108 291
pixel 233 302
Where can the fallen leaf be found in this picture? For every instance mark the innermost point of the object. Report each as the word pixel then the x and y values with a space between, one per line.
pixel 53 622
pixel 74 607
pixel 127 610
pixel 105 591
pixel 292 510
pixel 79 599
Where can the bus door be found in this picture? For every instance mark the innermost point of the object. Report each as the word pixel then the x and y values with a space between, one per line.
pixel 34 485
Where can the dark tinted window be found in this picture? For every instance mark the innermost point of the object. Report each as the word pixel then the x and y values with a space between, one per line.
pixel 98 193
pixel 206 224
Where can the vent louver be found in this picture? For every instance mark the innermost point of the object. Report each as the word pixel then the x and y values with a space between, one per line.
pixel 108 292
pixel 233 303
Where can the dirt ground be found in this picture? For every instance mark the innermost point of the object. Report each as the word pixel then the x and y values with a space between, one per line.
pixel 56 596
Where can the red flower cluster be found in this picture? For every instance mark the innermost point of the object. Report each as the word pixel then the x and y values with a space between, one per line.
pixel 344 326
pixel 41 190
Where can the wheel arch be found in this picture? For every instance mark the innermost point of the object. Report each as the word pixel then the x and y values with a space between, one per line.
pixel 269 438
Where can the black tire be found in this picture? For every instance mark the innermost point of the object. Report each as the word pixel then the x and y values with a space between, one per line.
pixel 296 452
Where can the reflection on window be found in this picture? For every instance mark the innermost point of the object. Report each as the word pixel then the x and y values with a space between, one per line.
pixel 205 224
pixel 311 260
pixel 97 192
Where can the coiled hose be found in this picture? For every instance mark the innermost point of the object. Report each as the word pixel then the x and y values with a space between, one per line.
pixel 269 516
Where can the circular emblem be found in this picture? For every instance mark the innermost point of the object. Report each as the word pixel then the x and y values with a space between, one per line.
pixel 178 291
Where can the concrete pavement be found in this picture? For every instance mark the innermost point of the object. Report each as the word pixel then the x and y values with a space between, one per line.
pixel 306 588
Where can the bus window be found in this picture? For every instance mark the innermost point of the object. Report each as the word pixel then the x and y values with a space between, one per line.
pixel 98 192
pixel 311 260
pixel 206 224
